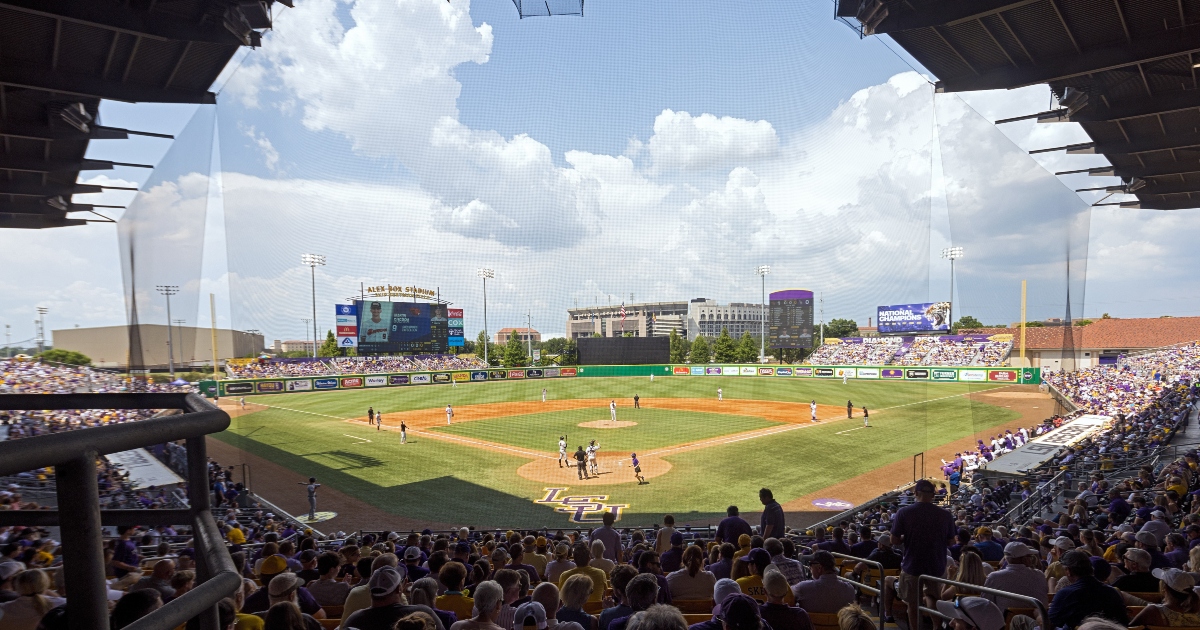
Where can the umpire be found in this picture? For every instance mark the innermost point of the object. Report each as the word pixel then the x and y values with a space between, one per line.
pixel 581 463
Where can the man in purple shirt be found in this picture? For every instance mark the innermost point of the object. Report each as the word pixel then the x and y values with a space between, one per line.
pixel 610 537
pixel 925 530
pixel 771 524
pixel 732 526
pixel 866 545
pixel 721 568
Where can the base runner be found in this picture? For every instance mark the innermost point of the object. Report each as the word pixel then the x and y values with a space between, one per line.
pixel 637 468
pixel 591 457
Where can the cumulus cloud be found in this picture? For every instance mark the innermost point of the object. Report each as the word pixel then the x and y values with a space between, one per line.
pixel 685 142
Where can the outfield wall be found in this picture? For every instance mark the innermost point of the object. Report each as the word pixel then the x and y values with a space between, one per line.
pixel 244 387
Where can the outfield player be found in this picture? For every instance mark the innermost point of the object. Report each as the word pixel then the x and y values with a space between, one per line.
pixel 637 469
pixel 652 377
pixel 812 407
pixel 242 400
pixel 378 420
pixel 543 394
pixel 720 395
pixel 403 432
pixel 562 451
pixel 612 409
pixel 591 457
pixel 844 377
pixel 449 413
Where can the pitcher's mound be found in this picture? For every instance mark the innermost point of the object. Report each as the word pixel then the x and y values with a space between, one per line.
pixel 607 424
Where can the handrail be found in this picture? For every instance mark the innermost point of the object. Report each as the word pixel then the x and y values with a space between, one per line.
pixel 73 455
pixel 877 591
pixel 1037 603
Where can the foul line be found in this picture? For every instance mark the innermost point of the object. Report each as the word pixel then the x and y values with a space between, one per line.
pixel 849 430
pixel 356 437
pixel 311 413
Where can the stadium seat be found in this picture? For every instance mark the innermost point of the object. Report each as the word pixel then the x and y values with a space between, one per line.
pixel 1153 598
pixel 823 621
pixel 593 608
pixel 330 624
pixel 696 618
pixel 332 612
pixel 694 606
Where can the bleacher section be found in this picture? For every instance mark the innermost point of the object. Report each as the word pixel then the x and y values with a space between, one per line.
pixel 272 368
pixel 946 350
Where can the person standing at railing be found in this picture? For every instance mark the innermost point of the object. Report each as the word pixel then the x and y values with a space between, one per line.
pixel 925 531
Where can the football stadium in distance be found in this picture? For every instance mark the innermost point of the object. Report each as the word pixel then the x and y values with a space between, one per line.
pixel 868 303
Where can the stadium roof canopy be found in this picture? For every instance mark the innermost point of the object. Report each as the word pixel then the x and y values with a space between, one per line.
pixel 1126 70
pixel 62 57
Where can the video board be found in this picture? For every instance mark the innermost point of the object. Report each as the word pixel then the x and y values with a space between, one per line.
pixel 911 318
pixel 790 319
pixel 413 327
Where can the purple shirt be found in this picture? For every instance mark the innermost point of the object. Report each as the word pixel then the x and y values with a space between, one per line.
pixel 611 540
pixel 925 528
pixel 731 527
pixel 773 516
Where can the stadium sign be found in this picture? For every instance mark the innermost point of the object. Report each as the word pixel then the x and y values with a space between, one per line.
pixel 766 371
pixel 552 372
pixel 697 370
pixel 376 381
pixel 269 386
pixel 495 374
pixel 712 371
pixel 462 377
pixel 419 379
pixel 239 388
pixel 398 379
pixel 730 370
pixel 325 383
pixel 535 373
pixel 783 371
pixel 916 374
pixel 582 509
pixel 479 376
pixel 803 371
pixel 1007 376
pixel 299 386
pixel 891 373
pixel 681 370
pixel 1042 448
pixel 516 374
pixel 944 375
pixel 568 371
pixel 441 378
pixel 868 373
pixel 972 375
pixel 845 372
pixel 747 370
pixel 389 291
pixel 353 381
pixel 823 372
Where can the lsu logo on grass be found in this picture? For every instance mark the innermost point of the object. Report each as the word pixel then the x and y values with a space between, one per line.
pixel 582 509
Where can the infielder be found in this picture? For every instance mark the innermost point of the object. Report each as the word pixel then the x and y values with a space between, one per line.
pixel 312 496
pixel 812 407
pixel 866 417
pixel 449 413
pixel 562 451
pixel 591 457
pixel 403 432
pixel 243 401
pixel 543 394
pixel 720 395
pixel 612 409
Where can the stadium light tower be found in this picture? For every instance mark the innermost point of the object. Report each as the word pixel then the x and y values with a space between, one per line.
pixel 762 271
pixel 952 254
pixel 485 273
pixel 314 261
pixel 41 328
pixel 168 290
pixel 306 320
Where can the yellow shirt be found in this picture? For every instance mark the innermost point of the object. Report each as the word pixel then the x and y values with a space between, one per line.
pixel 599 580
pixel 248 622
pixel 752 585
pixel 459 604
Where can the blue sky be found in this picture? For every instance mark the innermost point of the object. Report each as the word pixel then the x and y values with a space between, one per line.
pixel 641 149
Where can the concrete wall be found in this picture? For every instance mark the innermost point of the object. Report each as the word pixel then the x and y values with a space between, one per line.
pixel 108 346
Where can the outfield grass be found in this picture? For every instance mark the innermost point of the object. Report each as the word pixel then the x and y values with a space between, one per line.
pixel 655 428
pixel 459 484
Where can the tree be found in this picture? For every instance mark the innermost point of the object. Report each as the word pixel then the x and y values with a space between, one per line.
pixel 555 345
pixel 1083 322
pixel 725 348
pixel 1034 325
pixel 1106 316
pixel 747 349
pixel 329 348
pixel 699 353
pixel 678 355
pixel 597 336
pixel 70 357
pixel 966 322
pixel 514 352
pixel 839 328
pixel 569 354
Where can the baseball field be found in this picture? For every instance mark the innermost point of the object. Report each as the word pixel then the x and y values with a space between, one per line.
pixel 497 464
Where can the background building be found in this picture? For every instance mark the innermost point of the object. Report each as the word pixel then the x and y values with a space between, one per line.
pixel 108 346
pixel 646 319
pixel 521 333
pixel 706 317
pixel 294 345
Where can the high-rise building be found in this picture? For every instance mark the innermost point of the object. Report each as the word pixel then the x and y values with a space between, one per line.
pixel 707 317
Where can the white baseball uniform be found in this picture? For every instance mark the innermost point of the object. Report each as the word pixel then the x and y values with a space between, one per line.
pixel 449 413
pixel 612 410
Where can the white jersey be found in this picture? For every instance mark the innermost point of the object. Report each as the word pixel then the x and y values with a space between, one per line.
pixel 591 451
pixel 813 408
pixel 562 447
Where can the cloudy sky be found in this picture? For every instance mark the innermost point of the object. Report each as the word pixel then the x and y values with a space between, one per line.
pixel 640 152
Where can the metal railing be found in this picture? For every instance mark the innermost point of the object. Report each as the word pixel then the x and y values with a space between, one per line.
pixel 79 517
pixel 921 580
pixel 876 590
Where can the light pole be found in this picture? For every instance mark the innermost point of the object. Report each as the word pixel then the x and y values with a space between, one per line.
pixel 169 290
pixel 179 328
pixel 952 254
pixel 529 334
pixel 485 273
pixel 314 261
pixel 41 328
pixel 762 271
pixel 306 330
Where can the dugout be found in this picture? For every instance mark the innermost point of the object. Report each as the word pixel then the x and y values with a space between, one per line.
pixel 624 350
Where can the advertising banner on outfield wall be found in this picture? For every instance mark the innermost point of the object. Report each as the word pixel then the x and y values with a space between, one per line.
pixel 441 378
pixel 325 383
pixel 681 370
pixel 803 371
pixel 891 373
pixel 1004 376
pixel 783 371
pixel 868 373
pixel 269 387
pixel 823 372
pixel 479 376
pixel 353 381
pixel 398 379
pixel 973 376
pixel 376 381
pixel 495 374
pixel 420 379
pixel 462 377
pixel 922 375
pixel 712 371
pixel 766 371
pixel 301 385
pixel 747 370
pixel 238 388
pixel 947 374
pixel 516 374
pixel 844 372
pixel 569 371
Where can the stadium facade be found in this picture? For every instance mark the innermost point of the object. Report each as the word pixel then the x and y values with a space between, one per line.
pixel 700 316
pixel 108 346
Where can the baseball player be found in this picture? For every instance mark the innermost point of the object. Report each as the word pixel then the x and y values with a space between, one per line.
pixel 403 432
pixel 720 395
pixel 591 457
pixel 312 496
pixel 370 415
pixel 378 420
pixel 812 407
pixel 562 451
pixel 449 413
pixel 844 377
pixel 849 409
pixel 543 394
pixel 242 400
pixel 612 409
pixel 637 469
pixel 651 377
pixel 866 417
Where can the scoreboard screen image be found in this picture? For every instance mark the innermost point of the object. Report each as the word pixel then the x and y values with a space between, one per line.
pixel 410 327
pixel 790 319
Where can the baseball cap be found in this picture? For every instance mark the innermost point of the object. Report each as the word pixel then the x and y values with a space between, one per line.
pixel 676 538
pixel 1158 513
pixel 823 558
pixel 308 555
pixel 1140 556
pixel 384 581
pixel 1078 561
pixel 775 584
pixel 722 589
pixel 541 541
pixel 740 612
pixel 530 609
pixel 1017 549
pixel 1175 579
pixel 1064 543
pixel 412 553
pixel 1101 569
pixel 976 611
pixel 462 547
pixel 1147 538
pixel 885 539
pixel 392 536
pixel 923 485
pixel 9 569
pixel 283 584
pixel 757 555
pixel 272 565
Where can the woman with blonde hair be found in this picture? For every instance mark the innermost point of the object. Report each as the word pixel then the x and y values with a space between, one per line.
pixel 853 617
pixel 575 593
pixel 24 612
pixel 691 581
pixel 1180 605
pixel 970 570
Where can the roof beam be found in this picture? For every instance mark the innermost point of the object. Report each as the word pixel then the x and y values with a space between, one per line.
pixel 26 189
pixel 1172 188
pixel 947 13
pixel 1142 145
pixel 9 162
pixel 1166 204
pixel 28 77
pixel 120 18
pixel 1138 108
pixel 1172 169
pixel 37 221
pixel 40 206
pixel 1166 45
